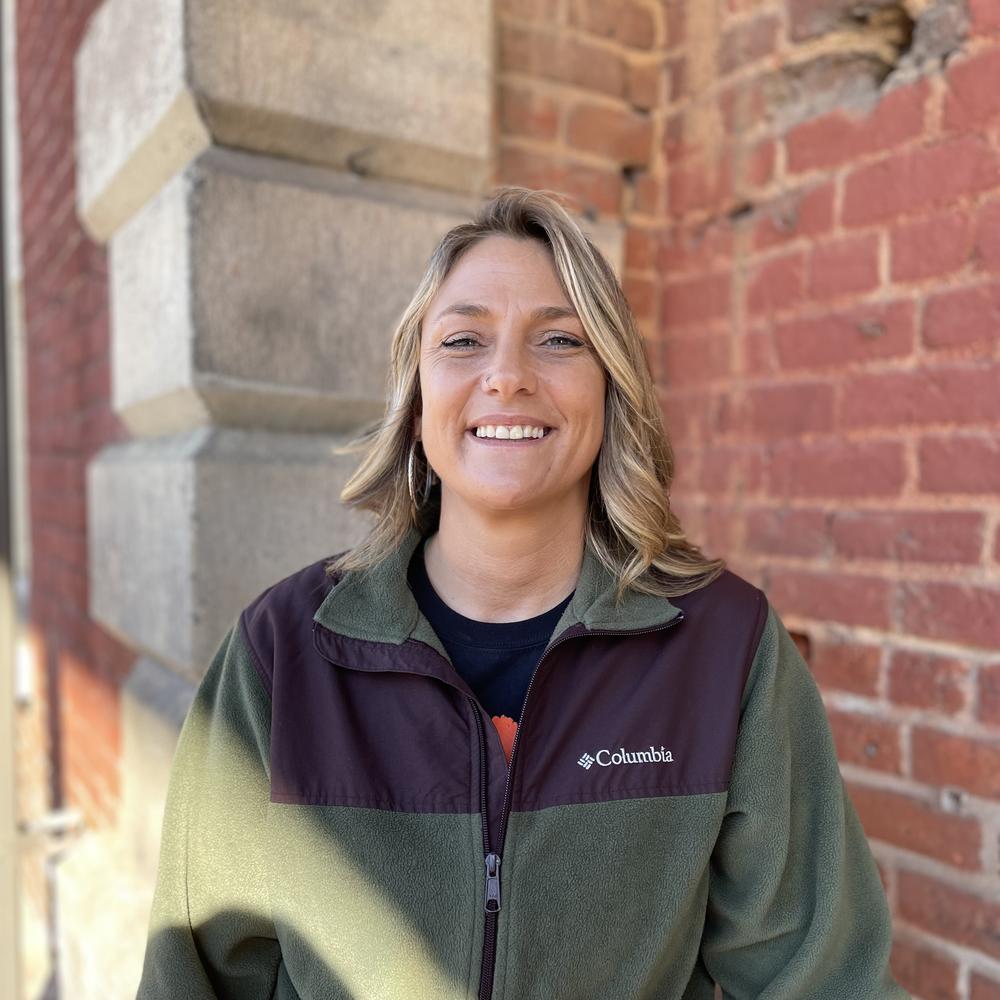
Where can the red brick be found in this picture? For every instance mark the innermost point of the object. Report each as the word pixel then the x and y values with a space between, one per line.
pixel 806 213
pixel 676 17
pixel 981 988
pixel 620 135
pixel 956 394
pixel 721 468
pixel 841 137
pixel 641 247
pixel 758 353
pixel 923 178
pixel 785 531
pixel 930 247
pixel 644 84
pixel 989 694
pixel 947 759
pixel 619 20
pixel 692 360
pixel 694 185
pixel 960 464
pixel 985 16
pixel 685 414
pixel 748 42
pixel 844 266
pixel 846 666
pixel 759 168
pixel 696 299
pixel 962 316
pixel 777 283
pixel 923 680
pixel 836 468
pixel 924 971
pixel 918 826
pixel 593 188
pixel 524 111
pixel 956 612
pixel 557 57
pixel 973 99
pixel 791 408
pixel 699 247
pixel 861 334
pixel 853 600
pixel 908 536
pixel 866 740
pixel 641 296
pixel 986 252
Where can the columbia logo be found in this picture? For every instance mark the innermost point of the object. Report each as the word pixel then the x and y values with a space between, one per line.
pixel 606 758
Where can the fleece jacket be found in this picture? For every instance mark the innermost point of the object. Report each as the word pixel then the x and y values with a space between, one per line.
pixel 342 822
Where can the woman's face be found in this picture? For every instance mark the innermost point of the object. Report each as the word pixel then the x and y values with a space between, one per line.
pixel 502 345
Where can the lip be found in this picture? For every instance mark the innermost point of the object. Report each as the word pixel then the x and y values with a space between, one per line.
pixel 507 418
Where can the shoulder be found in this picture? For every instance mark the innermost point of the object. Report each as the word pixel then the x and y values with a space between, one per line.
pixel 284 610
pixel 728 599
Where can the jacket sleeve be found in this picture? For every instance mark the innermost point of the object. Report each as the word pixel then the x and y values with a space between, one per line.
pixel 796 907
pixel 210 932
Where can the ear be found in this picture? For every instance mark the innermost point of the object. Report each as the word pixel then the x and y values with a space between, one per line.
pixel 416 426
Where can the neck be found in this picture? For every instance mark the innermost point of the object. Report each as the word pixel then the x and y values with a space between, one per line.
pixel 504 569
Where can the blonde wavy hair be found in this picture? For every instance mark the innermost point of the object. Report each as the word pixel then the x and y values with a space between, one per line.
pixel 630 524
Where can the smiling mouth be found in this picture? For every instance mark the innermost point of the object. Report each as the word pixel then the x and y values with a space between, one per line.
pixel 508 442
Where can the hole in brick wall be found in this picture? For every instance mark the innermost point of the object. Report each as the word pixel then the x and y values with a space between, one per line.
pixel 803 643
pixel 871 46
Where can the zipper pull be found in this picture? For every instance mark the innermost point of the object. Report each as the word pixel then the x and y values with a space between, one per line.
pixel 492 883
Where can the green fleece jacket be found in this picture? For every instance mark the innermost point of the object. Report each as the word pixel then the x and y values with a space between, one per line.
pixel 342 822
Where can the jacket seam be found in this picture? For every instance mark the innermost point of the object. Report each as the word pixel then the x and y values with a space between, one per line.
pixel 408 805
pixel 254 656
pixel 584 798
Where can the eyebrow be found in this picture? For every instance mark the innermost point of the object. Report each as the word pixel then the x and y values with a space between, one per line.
pixel 541 314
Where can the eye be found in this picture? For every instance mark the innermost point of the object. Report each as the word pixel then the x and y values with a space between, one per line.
pixel 570 341
pixel 460 342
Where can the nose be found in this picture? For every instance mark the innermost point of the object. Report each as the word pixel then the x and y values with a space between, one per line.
pixel 509 370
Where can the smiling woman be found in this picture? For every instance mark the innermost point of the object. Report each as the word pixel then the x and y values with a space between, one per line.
pixel 524 740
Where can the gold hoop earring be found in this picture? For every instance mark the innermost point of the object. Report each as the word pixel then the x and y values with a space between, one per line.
pixel 428 478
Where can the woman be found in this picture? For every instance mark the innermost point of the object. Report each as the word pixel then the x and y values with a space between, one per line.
pixel 524 740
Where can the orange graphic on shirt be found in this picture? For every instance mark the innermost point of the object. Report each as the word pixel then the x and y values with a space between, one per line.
pixel 506 727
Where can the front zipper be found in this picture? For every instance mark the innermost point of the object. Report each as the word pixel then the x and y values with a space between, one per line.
pixel 492 858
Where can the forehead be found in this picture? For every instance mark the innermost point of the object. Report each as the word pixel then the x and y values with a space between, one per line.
pixel 501 273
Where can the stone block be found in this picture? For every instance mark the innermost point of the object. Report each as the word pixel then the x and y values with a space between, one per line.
pixel 185 531
pixel 393 89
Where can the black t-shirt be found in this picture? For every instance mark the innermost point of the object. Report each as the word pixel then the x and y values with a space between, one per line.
pixel 496 659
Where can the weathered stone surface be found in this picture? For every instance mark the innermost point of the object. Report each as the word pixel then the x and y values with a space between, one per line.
pixel 395 89
pixel 185 531
pixel 253 292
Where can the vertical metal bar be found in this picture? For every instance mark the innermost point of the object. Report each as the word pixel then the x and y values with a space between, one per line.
pixel 10 936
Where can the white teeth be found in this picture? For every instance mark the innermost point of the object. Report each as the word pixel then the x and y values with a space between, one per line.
pixel 514 432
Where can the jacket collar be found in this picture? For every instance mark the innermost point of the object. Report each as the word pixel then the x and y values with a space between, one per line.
pixel 373 613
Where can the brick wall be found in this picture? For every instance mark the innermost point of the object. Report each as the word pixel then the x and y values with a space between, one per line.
pixel 78 666
pixel 811 194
